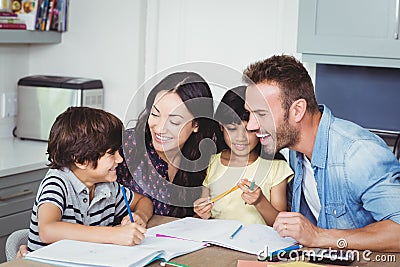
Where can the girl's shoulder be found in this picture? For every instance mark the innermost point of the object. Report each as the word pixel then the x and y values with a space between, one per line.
pixel 215 159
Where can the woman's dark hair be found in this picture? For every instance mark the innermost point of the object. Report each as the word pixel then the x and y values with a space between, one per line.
pixel 197 97
pixel 83 135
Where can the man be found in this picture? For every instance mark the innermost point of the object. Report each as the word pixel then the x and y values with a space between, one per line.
pixel 346 189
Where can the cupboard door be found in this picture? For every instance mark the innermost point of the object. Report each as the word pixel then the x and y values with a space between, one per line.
pixel 9 224
pixel 354 28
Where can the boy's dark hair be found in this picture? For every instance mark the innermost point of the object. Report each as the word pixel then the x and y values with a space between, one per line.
pixel 83 135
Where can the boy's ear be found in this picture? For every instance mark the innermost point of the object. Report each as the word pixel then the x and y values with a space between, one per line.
pixel 81 166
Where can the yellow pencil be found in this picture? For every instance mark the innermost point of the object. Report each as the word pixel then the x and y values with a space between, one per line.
pixel 224 194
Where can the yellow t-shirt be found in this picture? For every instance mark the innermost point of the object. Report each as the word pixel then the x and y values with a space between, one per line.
pixel 220 178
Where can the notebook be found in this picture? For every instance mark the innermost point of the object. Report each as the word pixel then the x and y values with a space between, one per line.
pixel 252 238
pixel 78 253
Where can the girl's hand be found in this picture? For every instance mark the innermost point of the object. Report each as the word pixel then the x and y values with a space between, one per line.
pixel 129 234
pixel 202 207
pixel 251 197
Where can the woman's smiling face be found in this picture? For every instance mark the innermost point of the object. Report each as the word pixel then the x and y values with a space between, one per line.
pixel 170 122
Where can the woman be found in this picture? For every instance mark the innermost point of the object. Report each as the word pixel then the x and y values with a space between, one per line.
pixel 168 151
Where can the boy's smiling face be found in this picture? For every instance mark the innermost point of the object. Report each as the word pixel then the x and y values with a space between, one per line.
pixel 106 168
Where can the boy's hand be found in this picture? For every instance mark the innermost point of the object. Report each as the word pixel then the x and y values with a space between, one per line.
pixel 137 217
pixel 23 250
pixel 251 197
pixel 202 207
pixel 129 234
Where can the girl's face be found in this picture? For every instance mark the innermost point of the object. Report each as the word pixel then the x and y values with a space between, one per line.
pixel 239 140
pixel 170 122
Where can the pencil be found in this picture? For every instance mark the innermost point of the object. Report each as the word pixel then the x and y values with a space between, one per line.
pixel 236 231
pixel 171 263
pixel 224 194
pixel 252 185
pixel 127 203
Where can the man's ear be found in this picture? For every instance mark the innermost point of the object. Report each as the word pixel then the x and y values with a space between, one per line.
pixel 298 109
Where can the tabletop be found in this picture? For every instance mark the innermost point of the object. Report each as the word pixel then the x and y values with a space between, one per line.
pixel 219 256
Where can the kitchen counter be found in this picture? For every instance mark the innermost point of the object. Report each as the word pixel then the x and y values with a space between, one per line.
pixel 18 156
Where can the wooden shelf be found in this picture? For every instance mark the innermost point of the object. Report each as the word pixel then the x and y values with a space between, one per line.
pixel 29 37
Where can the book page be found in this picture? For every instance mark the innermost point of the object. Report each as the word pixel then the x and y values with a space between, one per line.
pixel 78 253
pixel 251 239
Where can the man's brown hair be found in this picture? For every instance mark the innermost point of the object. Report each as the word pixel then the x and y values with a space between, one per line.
pixel 289 75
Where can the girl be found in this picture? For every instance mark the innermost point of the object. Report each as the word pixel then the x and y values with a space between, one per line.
pixel 262 182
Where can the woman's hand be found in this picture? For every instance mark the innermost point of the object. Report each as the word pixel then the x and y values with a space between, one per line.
pixel 202 207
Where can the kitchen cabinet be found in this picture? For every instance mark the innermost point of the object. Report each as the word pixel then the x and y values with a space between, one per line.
pixel 29 37
pixel 22 167
pixel 17 194
pixel 355 32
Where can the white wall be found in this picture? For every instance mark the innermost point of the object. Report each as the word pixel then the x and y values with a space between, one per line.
pixel 231 33
pixel 13 65
pixel 104 42
pixel 123 46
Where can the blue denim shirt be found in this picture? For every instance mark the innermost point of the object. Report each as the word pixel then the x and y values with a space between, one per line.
pixel 357 175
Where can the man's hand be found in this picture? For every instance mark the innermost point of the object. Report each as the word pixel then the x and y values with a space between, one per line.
pixel 295 225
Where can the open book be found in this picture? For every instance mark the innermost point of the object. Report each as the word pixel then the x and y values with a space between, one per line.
pixel 164 242
pixel 78 253
pixel 252 238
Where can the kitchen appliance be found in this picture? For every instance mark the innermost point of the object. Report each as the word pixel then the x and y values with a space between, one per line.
pixel 41 98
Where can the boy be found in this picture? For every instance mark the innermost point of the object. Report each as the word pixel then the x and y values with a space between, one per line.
pixel 79 198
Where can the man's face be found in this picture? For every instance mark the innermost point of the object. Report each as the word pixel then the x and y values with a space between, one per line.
pixel 267 118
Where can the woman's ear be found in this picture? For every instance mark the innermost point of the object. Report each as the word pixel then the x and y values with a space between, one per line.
pixel 298 109
pixel 195 127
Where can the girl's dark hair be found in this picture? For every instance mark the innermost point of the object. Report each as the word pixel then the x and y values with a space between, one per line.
pixel 231 111
pixel 231 108
pixel 197 97
pixel 83 135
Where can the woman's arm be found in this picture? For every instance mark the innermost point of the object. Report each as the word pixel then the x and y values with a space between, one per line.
pixel 142 208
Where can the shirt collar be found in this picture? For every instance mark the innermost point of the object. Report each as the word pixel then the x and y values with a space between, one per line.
pixel 102 189
pixel 320 150
pixel 76 184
